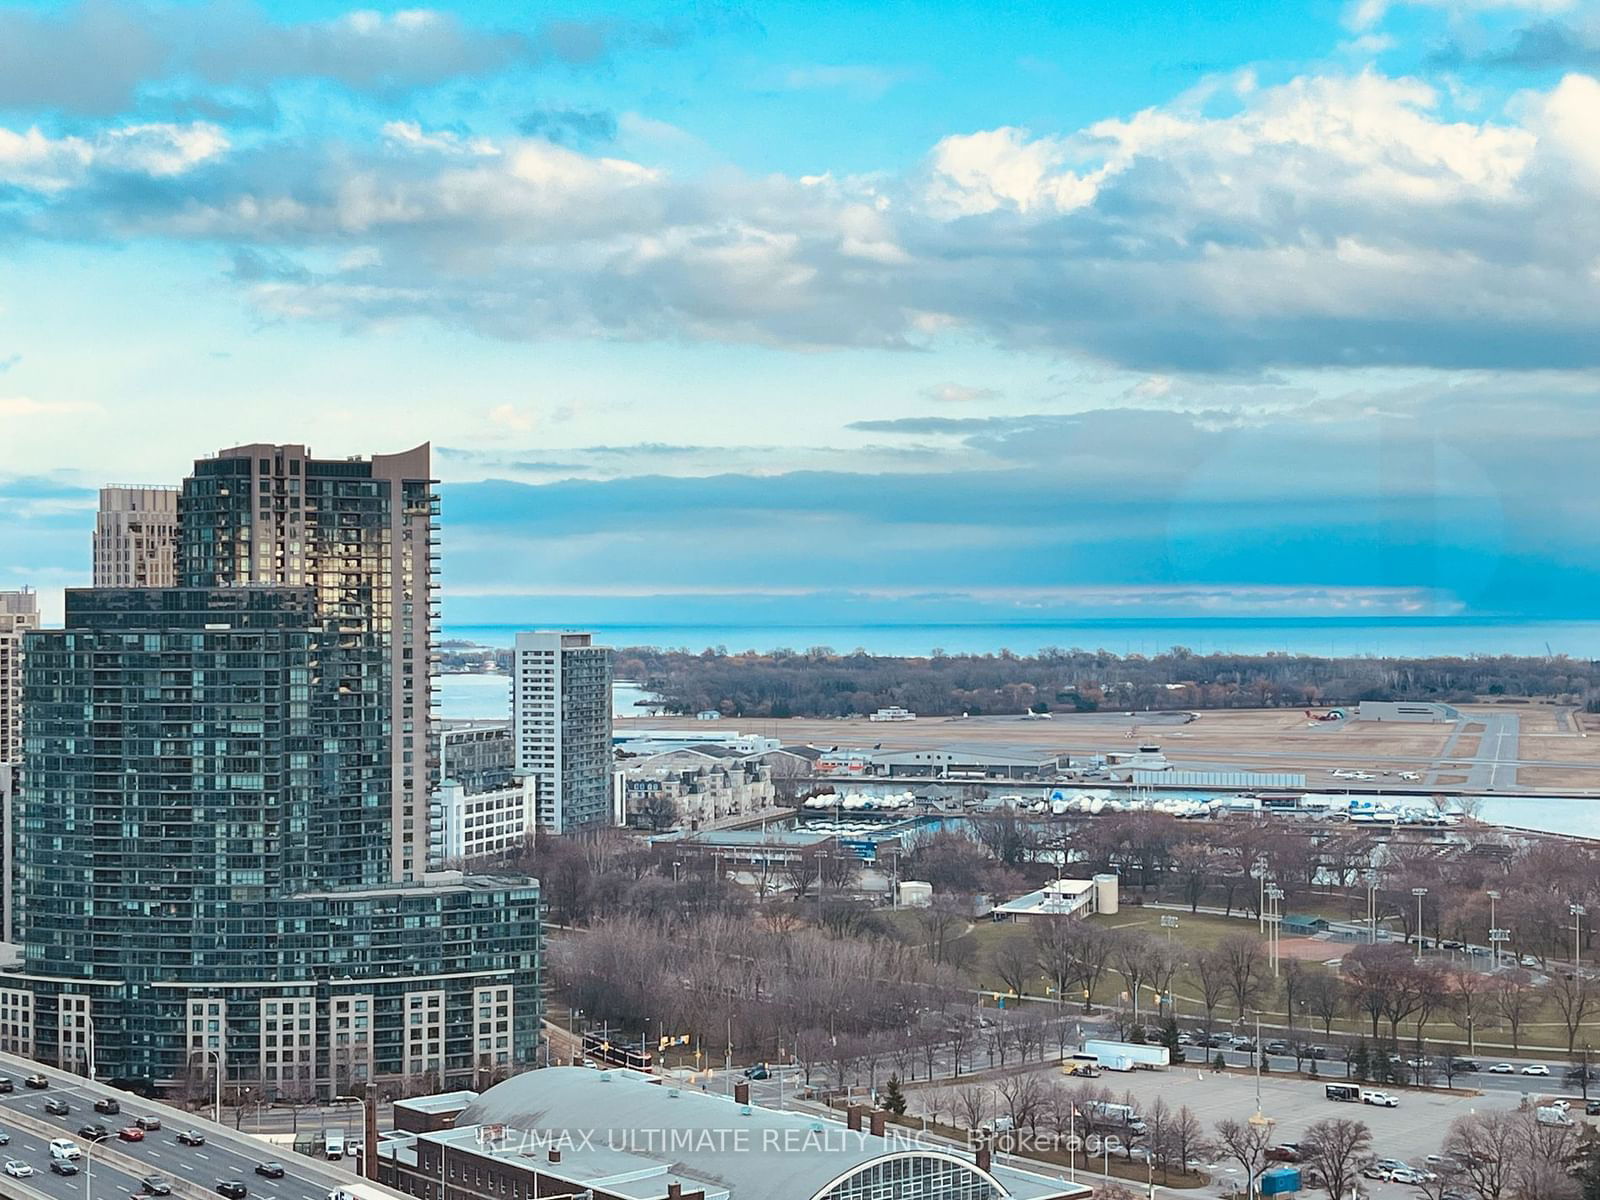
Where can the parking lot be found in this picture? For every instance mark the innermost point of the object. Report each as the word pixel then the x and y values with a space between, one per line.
pixel 1409 1132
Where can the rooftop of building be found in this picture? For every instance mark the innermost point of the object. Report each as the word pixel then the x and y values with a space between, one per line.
pixel 633 1135
pixel 442 1103
pixel 742 838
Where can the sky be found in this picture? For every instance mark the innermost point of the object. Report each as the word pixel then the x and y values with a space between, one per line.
pixel 833 311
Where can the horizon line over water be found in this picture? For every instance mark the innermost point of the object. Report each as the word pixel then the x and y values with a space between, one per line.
pixel 1339 637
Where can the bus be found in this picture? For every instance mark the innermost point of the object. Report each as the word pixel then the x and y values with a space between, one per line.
pixel 605 1047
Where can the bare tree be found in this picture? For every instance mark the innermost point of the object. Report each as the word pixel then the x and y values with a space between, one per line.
pixel 1015 962
pixel 1246 1144
pixel 971 1106
pixel 1574 1000
pixel 1467 993
pixel 1023 1097
pixel 1484 1150
pixel 1338 1148
pixel 1133 958
pixel 1245 963
pixel 1515 999
pixel 944 920
pixel 1211 973
pixel 1325 998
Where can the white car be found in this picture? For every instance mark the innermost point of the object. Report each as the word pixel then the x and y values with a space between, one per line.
pixel 65 1148
pixel 18 1170
pixel 1502 1069
pixel 1536 1069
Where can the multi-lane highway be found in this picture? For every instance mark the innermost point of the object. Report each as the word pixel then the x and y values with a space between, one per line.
pixel 114 1169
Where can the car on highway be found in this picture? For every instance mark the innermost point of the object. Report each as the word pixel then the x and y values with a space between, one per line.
pixel 154 1185
pixel 759 1071
pixel 57 1107
pixel 63 1166
pixel 6 1086
pixel 233 1189
pixel 108 1106
pixel 65 1148
pixel 1276 1046
pixel 93 1132
pixel 36 1081
pixel 191 1137
pixel 1502 1069
pixel 1464 1065
pixel 5 1138
pixel 148 1124
pixel 272 1170
pixel 131 1133
pixel 1536 1069
pixel 18 1169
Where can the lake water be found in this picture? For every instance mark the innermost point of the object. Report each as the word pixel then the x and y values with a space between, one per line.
pixel 1394 637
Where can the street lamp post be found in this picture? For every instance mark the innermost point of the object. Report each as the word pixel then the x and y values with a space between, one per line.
pixel 216 1112
pixel 88 1169
pixel 1419 893
pixel 1493 895
pixel 1578 912
pixel 1372 909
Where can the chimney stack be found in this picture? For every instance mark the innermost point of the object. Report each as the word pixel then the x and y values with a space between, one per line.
pixel 741 1092
pixel 555 1155
pixel 983 1158
pixel 852 1118
pixel 674 1191
pixel 878 1119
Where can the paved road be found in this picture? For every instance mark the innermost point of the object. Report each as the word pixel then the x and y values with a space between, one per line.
pixel 115 1167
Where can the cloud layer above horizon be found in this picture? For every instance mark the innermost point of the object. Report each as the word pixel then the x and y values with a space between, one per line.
pixel 699 299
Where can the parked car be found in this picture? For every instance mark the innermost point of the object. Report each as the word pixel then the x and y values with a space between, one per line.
pixel 1591 1108
pixel 1287 1152
pixel 759 1071
pixel 233 1189
pixel 1536 1069
pixel 1502 1069
pixel 108 1106
pixel 191 1137
pixel 57 1107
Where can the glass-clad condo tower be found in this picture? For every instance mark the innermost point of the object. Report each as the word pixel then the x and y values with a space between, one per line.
pixel 218 810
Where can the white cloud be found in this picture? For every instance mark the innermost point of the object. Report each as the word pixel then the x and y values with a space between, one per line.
pixel 956 393
pixel 1364 14
pixel 1330 220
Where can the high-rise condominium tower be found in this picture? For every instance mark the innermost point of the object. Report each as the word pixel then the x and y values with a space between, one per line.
pixel 19 612
pixel 222 787
pixel 360 534
pixel 561 721
pixel 135 537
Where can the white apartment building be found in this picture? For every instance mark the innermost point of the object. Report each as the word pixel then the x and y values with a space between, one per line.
pixel 480 824
pixel 136 537
pixel 561 724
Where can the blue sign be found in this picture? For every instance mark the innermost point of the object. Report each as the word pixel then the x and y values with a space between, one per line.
pixel 863 848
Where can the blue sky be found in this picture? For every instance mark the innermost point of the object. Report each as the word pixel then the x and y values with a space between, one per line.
pixel 1001 310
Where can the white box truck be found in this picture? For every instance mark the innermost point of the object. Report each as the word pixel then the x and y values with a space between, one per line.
pixel 1128 1056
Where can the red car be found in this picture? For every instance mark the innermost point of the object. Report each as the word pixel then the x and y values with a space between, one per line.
pixel 131 1134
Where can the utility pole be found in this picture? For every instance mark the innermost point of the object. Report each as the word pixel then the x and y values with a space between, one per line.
pixel 1419 893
